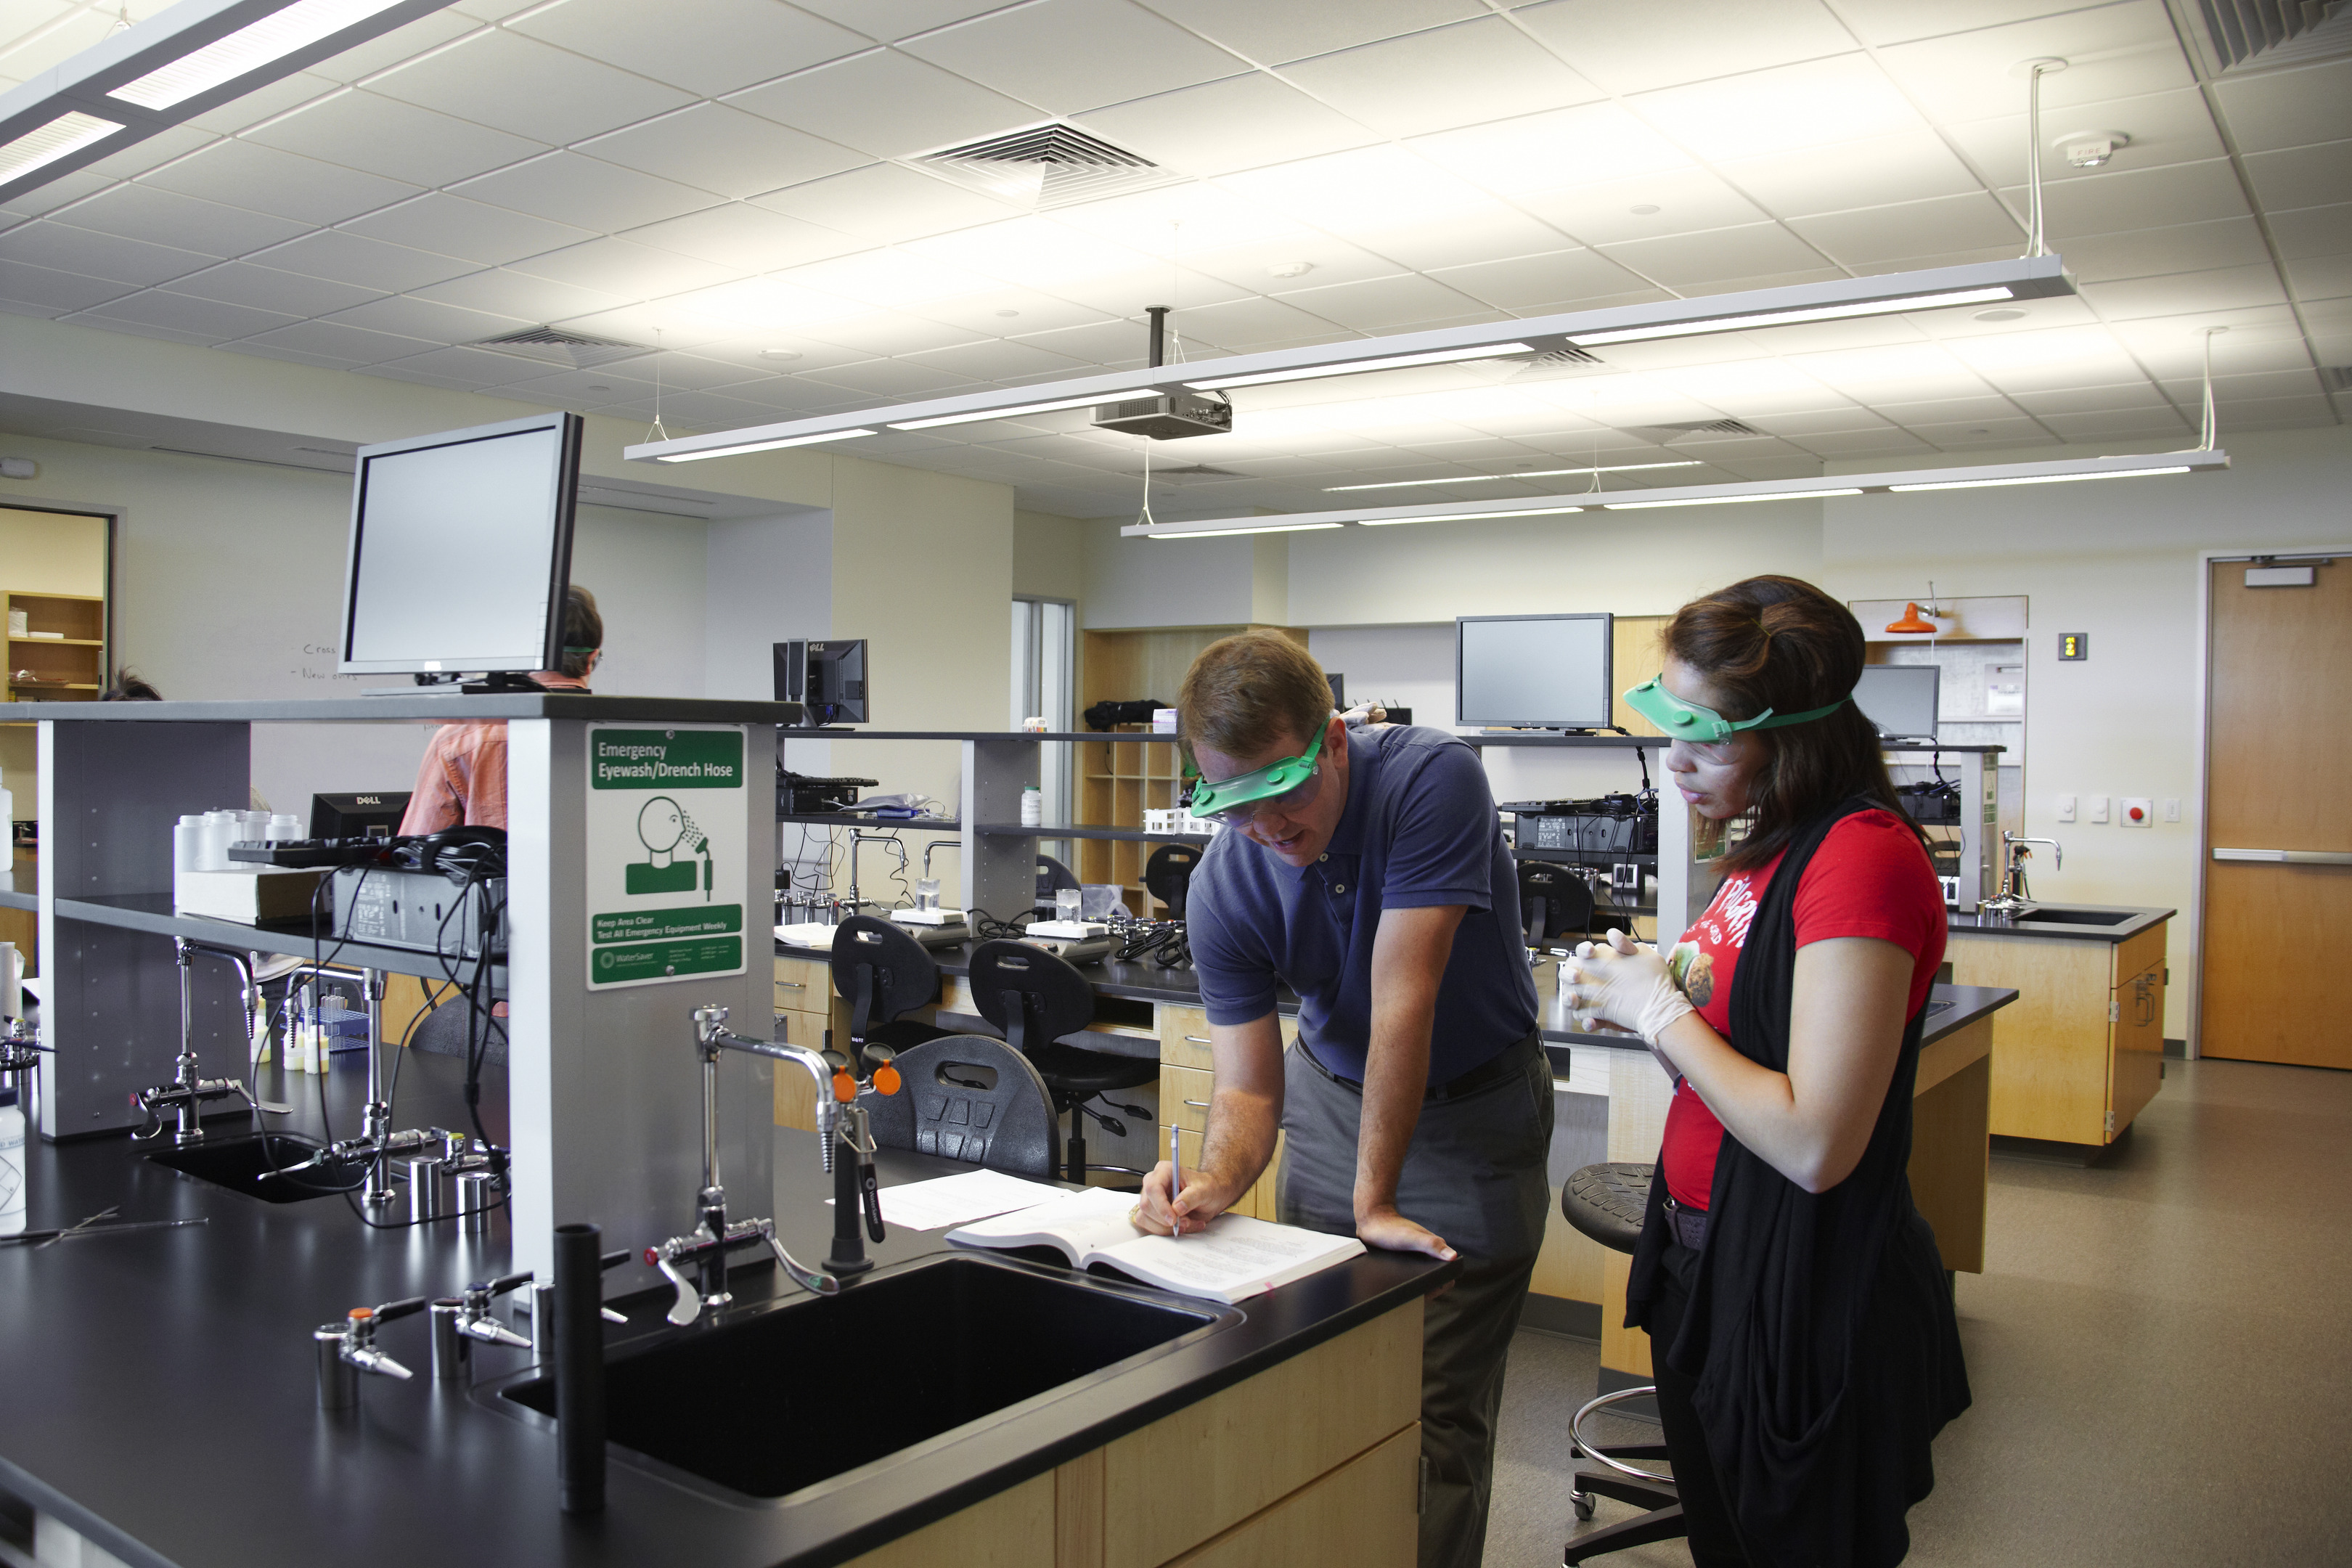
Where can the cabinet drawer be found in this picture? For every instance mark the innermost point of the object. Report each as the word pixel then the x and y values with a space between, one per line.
pixel 1184 1096
pixel 1183 1036
pixel 1361 1514
pixel 802 983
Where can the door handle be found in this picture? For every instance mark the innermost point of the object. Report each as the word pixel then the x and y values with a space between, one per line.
pixel 2288 856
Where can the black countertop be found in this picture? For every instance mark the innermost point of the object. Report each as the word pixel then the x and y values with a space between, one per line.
pixel 2118 923
pixel 160 1386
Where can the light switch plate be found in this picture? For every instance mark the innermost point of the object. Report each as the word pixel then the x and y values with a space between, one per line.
pixel 2066 808
pixel 2136 811
pixel 2172 808
pixel 2098 808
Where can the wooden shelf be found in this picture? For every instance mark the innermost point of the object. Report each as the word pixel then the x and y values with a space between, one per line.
pixel 61 642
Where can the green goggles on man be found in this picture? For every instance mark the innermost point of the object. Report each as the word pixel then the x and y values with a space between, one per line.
pixel 1292 782
pixel 1681 720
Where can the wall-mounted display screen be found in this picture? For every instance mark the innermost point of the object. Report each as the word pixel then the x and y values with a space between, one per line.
pixel 1537 672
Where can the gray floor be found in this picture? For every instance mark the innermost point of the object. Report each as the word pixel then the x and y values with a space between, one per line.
pixel 2160 1348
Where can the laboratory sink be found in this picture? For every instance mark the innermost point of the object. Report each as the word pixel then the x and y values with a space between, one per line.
pixel 2049 917
pixel 240 1164
pixel 768 1401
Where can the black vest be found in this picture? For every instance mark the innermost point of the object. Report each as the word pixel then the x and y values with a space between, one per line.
pixel 1821 1326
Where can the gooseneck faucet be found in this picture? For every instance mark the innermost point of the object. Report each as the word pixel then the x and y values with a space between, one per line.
pixel 185 1095
pixel 714 1236
pixel 2013 897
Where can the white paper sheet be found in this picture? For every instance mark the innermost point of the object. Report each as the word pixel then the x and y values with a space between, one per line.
pixel 947 1200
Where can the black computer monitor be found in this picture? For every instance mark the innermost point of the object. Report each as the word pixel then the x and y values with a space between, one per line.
pixel 353 816
pixel 1339 690
pixel 461 550
pixel 1553 901
pixel 826 677
pixel 1535 672
pixel 1900 700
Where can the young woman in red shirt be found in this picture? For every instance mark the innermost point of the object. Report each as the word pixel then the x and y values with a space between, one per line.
pixel 1799 1320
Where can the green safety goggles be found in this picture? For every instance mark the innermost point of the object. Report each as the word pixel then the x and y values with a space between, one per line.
pixel 1241 797
pixel 1682 720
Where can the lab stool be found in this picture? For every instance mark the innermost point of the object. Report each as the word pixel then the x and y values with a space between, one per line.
pixel 1044 1004
pixel 1607 1203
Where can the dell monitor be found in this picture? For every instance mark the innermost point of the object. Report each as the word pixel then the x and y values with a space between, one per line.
pixel 461 551
pixel 358 815
pixel 1899 700
pixel 827 678
pixel 1533 672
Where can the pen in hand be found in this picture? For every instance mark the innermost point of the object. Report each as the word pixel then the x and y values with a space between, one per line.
pixel 1175 1184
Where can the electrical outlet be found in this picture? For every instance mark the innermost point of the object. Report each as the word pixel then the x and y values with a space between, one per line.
pixel 2172 808
pixel 2137 811
pixel 2098 808
pixel 2066 808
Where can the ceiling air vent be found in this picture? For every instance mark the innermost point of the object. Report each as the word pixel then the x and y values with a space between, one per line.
pixel 1195 471
pixel 2261 35
pixel 1707 427
pixel 1553 364
pixel 2338 377
pixel 553 345
pixel 1046 166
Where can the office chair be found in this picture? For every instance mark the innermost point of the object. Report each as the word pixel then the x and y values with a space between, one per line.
pixel 1168 875
pixel 1042 1002
pixel 1053 877
pixel 1607 1203
pixel 967 1097
pixel 883 971
pixel 1553 901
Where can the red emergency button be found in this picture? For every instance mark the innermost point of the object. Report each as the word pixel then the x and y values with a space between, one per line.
pixel 2138 815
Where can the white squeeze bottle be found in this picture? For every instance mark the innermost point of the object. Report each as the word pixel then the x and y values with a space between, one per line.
pixel 12 1163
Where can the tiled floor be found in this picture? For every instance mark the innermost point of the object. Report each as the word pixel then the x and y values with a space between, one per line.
pixel 2160 1348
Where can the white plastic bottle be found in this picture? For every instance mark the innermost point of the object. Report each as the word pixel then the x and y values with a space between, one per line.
pixel 1032 807
pixel 12 1163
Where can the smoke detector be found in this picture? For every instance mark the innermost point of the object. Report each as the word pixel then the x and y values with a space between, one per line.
pixel 2090 149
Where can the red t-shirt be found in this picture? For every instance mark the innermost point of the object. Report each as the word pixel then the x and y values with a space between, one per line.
pixel 1870 877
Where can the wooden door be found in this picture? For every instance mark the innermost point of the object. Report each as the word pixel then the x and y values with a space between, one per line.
pixel 2279 742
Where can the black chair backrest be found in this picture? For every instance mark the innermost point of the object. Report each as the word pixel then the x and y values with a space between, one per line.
pixel 1052 878
pixel 882 971
pixel 1168 875
pixel 967 1097
pixel 1553 901
pixel 1034 996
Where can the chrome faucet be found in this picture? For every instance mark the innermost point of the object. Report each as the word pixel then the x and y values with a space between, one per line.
pixel 460 1321
pixel 707 1246
pixel 185 1095
pixel 348 1348
pixel 2014 896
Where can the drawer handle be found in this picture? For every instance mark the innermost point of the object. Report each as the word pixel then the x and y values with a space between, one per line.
pixel 794 984
pixel 1198 1104
pixel 1195 1040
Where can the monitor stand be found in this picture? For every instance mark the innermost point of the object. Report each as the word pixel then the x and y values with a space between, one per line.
pixel 499 681
pixel 504 682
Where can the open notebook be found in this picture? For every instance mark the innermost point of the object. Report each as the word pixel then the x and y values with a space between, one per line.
pixel 1235 1257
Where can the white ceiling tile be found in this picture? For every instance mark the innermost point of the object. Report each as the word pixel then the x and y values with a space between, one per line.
pixel 264 103
pixel 1591 143
pixel 271 289
pixel 263 179
pixel 1068 56
pixel 2299 382
pixel 710 47
pixel 1820 103
pixel 1620 47
pixel 1956 413
pixel 475 367
pixel 1245 326
pixel 1755 280
pixel 505 293
pixel 1252 268
pixel 2313 231
pixel 1898 21
pixel 592 196
pixel 52 290
pixel 569 98
pixel 2268 337
pixel 332 339
pixel 411 316
pixel 406 42
pixel 888 278
pixel 1865 444
pixel 999 361
pixel 1498 235
pixel 1373 187
pixel 2172 127
pixel 105 322
pixel 208 318
pixel 884 202
pixel 1897 168
pixel 2139 198
pixel 49 243
pixel 716 148
pixel 2126 395
pixel 1531 280
pixel 2065 310
pixel 2226 289
pixel 402 370
pixel 2302 176
pixel 890 332
pixel 1715 255
pixel 355 259
pixel 1113 344
pixel 2121 425
pixel 1818 422
pixel 2281 413
pixel 1464 74
pixel 765 304
pixel 1910 228
pixel 2321 277
pixel 260 350
pixel 895 378
pixel 475 231
pixel 1010 312
pixel 1382 303
pixel 891 19
pixel 576 388
pixel 362 130
pixel 1686 200
pixel 2059 357
pixel 165 217
pixel 2286 108
pixel 886 104
pixel 139 157
pixel 2176 248
pixel 747 237
pixel 57 193
pixel 2112 50
pixel 1270 34
pixel 677 326
pixel 1241 123
pixel 1983 434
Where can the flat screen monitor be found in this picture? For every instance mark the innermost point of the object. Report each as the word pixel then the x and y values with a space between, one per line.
pixel 461 550
pixel 826 677
pixel 354 815
pixel 1535 672
pixel 1899 699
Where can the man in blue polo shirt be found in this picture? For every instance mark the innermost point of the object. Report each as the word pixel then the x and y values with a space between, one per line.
pixel 1366 871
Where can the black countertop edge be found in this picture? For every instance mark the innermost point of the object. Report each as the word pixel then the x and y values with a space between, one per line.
pixel 2140 918
pixel 407 709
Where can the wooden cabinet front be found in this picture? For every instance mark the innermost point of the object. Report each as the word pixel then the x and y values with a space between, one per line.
pixel 2080 1050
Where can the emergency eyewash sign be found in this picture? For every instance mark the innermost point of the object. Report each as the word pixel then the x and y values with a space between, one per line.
pixel 666 854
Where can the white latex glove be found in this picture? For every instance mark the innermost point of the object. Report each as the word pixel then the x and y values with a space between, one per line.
pixel 1623 983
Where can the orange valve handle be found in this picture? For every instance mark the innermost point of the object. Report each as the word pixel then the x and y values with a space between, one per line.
pixel 844 1088
pixel 886 1079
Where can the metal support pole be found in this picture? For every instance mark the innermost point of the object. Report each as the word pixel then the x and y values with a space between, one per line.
pixel 378 1119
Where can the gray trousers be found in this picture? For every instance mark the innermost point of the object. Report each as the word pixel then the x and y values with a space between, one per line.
pixel 1474 1175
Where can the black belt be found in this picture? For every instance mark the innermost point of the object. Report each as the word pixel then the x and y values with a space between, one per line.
pixel 1687 1226
pixel 1503 1064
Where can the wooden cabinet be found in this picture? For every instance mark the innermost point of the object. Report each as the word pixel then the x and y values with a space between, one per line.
pixel 2082 1049
pixel 805 1008
pixel 56 646
pixel 1188 1081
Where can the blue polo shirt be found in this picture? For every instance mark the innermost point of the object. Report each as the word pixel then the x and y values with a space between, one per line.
pixel 1420 830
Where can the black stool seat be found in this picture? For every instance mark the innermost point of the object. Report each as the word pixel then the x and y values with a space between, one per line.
pixel 1607 1202
pixel 1073 1071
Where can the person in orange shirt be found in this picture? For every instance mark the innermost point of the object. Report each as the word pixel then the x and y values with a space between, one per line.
pixel 462 781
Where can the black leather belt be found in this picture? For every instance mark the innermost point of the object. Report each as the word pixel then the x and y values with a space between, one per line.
pixel 1687 1226
pixel 1508 1062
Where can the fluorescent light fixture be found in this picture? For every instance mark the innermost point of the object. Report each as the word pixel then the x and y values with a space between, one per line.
pixel 1354 367
pixel 1019 409
pixel 1462 516
pixel 61 138
pixel 248 49
pixel 1482 479
pixel 1790 318
pixel 1230 533
pixel 1731 500
pixel 762 446
pixel 2036 479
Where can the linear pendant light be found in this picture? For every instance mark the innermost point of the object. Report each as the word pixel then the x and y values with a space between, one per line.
pixel 1981 476
pixel 1522 474
pixel 189 58
pixel 1940 287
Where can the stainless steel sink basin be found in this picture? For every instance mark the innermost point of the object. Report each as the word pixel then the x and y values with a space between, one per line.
pixel 2050 917
pixel 767 1401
